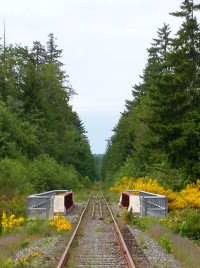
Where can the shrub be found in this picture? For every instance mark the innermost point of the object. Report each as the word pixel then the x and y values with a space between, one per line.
pixel 60 223
pixel 46 174
pixel 15 204
pixel 8 264
pixel 127 216
pixel 25 261
pixel 166 243
pixel 188 197
pixel 191 195
pixel 185 223
pixel 11 223
pixel 13 176
pixel 14 187
pixel 142 223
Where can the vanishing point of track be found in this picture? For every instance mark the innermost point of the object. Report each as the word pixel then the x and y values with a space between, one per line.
pixel 97 240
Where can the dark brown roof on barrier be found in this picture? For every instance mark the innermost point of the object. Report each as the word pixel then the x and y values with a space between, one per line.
pixel 66 193
pixel 130 193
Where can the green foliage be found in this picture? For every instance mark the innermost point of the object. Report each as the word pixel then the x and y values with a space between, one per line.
pixel 166 243
pixel 185 223
pixel 42 140
pixel 25 243
pixel 46 174
pixel 158 135
pixel 142 222
pixel 98 158
pixel 17 137
pixel 127 216
pixel 13 175
pixel 38 227
pixel 73 179
pixel 119 146
pixel 129 168
pixel 14 186
pixel 8 264
pixel 142 242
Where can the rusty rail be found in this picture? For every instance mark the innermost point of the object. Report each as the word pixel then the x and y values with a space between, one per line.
pixel 93 211
pixel 122 244
pixel 124 248
pixel 63 259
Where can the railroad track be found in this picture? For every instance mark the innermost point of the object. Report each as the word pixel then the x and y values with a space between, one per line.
pixel 97 240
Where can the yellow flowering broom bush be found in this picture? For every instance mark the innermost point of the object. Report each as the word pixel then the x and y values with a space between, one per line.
pixel 123 185
pixel 26 260
pixel 191 195
pixel 60 223
pixel 10 223
pixel 188 197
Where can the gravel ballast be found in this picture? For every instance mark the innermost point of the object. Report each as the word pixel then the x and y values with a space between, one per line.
pixel 50 249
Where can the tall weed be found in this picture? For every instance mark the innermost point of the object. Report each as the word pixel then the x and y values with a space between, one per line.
pixel 183 249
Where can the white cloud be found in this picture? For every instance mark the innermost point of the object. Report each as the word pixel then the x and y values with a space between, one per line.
pixel 104 46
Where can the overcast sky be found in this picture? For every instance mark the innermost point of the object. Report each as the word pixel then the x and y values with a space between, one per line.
pixel 104 46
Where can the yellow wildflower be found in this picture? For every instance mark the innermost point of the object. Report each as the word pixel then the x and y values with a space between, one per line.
pixel 60 223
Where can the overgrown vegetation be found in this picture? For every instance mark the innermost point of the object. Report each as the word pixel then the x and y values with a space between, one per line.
pixel 176 232
pixel 60 223
pixel 43 143
pixel 184 216
pixel 182 248
pixel 173 241
pixel 158 134
pixel 18 233
pixel 187 197
pixel 184 223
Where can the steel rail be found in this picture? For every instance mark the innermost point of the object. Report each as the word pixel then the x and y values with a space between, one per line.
pixel 63 259
pixel 124 248
pixel 122 244
pixel 93 211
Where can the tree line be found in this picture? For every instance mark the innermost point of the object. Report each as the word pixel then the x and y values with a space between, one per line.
pixel 43 143
pixel 158 134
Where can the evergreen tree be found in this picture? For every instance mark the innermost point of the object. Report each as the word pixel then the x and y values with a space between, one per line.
pixel 119 147
pixel 170 86
pixel 53 53
pixel 36 91
pixel 39 54
pixel 184 150
pixel 164 112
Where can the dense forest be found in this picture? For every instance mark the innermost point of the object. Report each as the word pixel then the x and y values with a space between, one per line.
pixel 155 146
pixel 43 143
pixel 158 134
